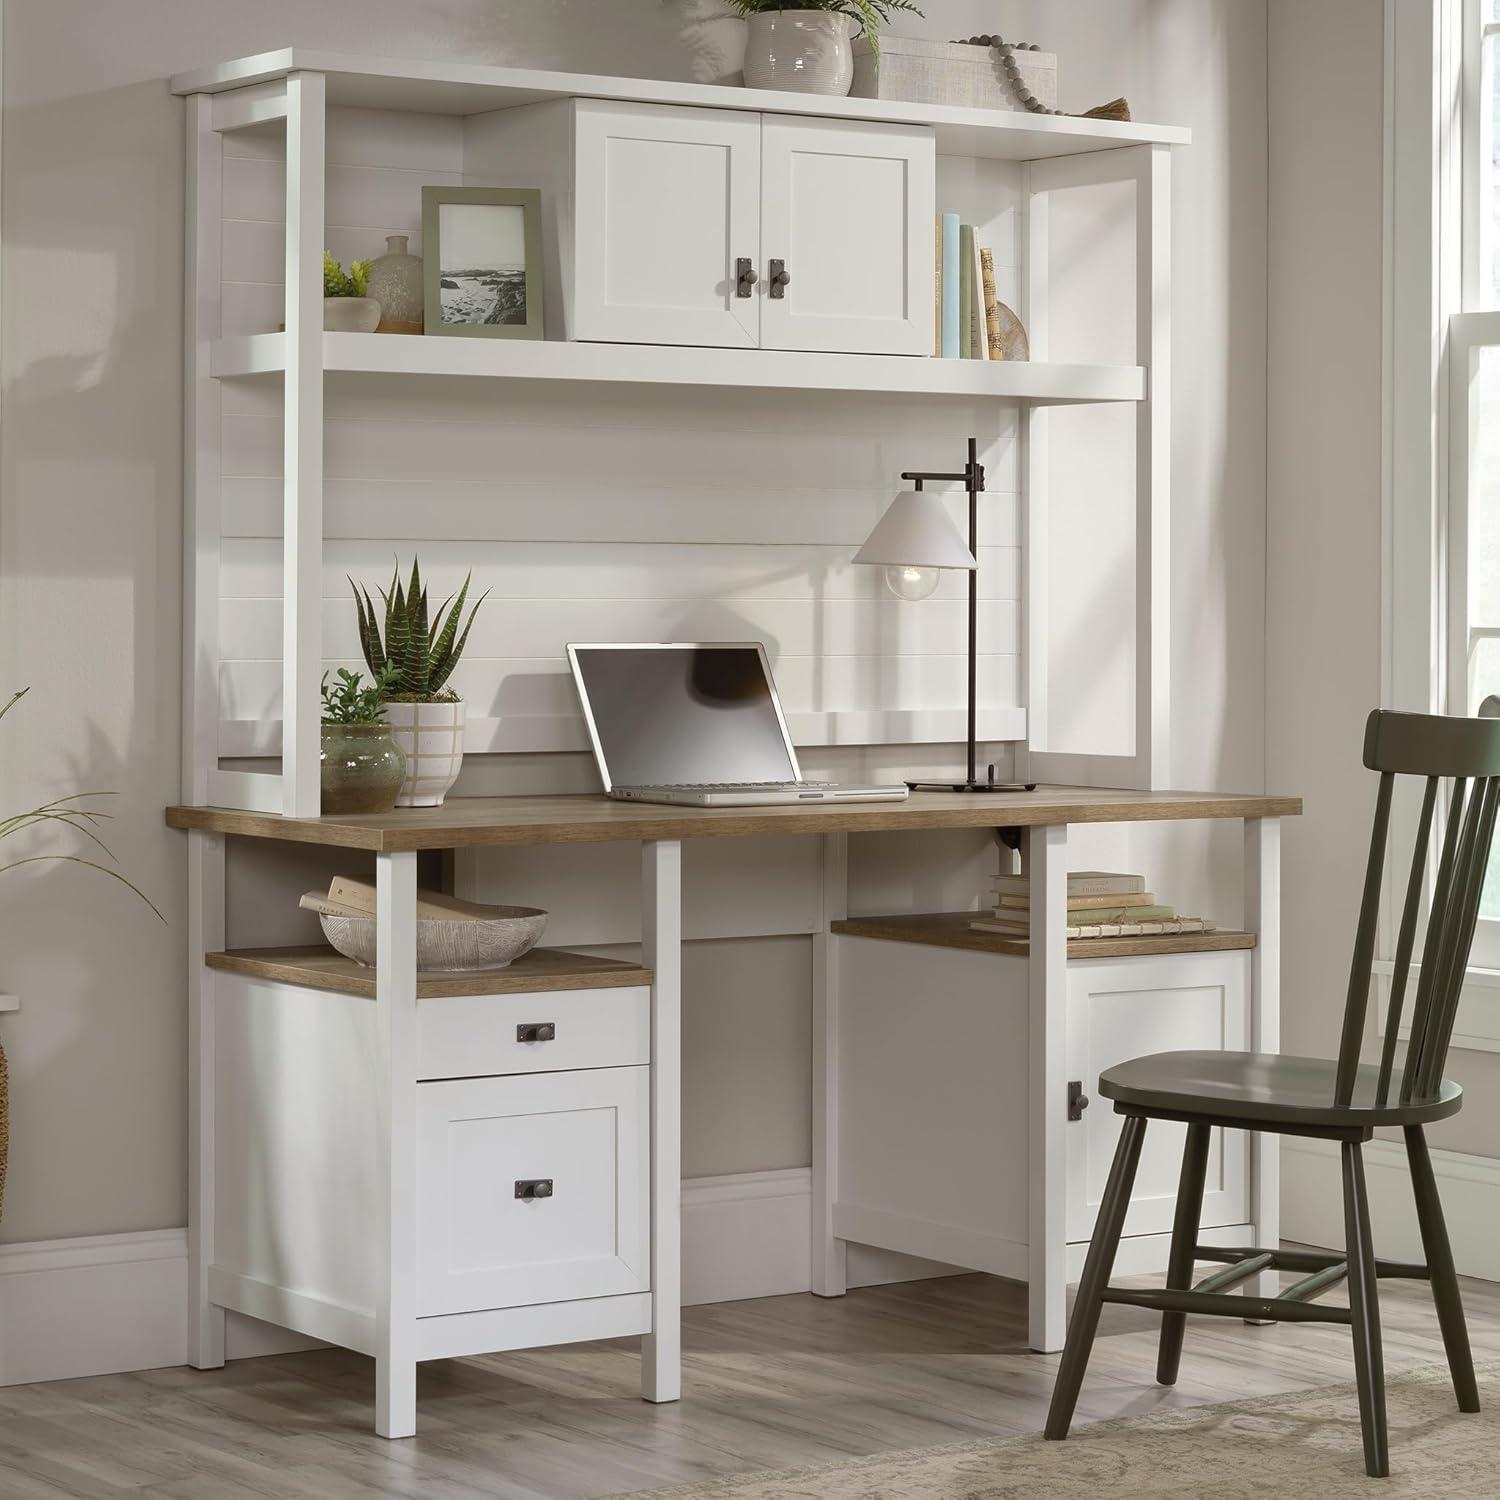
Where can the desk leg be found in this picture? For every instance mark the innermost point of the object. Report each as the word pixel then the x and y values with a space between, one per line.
pixel 829 1254
pixel 206 935
pixel 1046 856
pixel 661 949
pixel 1263 917
pixel 396 1031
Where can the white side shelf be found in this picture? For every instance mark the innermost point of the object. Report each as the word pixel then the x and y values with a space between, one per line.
pixel 649 364
pixel 474 88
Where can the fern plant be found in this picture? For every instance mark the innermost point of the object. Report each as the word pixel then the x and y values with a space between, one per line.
pixel 421 653
pixel 78 812
pixel 870 15
pixel 337 282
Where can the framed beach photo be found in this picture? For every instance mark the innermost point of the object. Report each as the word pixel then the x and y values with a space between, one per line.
pixel 482 261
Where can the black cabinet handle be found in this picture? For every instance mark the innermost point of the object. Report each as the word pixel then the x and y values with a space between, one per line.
pixel 780 279
pixel 532 1188
pixel 744 276
pixel 1078 1101
pixel 536 1031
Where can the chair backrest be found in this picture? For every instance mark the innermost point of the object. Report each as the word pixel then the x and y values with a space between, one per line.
pixel 1466 753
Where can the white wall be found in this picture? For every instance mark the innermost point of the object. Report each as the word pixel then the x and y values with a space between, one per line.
pixel 1323 588
pixel 90 514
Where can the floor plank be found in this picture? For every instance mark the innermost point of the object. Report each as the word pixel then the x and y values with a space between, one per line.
pixel 772 1383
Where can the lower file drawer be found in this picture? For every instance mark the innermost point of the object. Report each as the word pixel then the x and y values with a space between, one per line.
pixel 532 1189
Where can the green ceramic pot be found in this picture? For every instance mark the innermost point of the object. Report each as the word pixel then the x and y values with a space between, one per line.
pixel 362 768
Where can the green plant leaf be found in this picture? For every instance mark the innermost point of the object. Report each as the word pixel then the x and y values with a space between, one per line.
pixel 458 650
pixel 77 859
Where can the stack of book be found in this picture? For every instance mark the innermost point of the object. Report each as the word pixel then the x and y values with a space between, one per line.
pixel 966 311
pixel 1100 904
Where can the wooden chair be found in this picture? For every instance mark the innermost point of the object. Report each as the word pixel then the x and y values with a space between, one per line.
pixel 1342 1101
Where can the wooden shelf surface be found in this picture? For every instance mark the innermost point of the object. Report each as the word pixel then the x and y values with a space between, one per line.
pixel 543 969
pixel 951 929
pixel 439 87
pixel 483 822
pixel 403 354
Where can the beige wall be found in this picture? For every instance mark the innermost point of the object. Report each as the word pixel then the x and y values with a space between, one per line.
pixel 90 509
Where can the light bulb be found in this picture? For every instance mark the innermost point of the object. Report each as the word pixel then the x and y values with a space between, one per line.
pixel 908 582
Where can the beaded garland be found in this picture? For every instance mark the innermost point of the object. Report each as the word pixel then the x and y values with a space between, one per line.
pixel 1007 51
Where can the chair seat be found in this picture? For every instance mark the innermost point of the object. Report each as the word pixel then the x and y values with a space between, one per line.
pixel 1264 1087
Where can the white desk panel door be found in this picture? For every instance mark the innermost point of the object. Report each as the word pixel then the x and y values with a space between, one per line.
pixel 848 211
pixel 1131 1007
pixel 666 200
pixel 481 1245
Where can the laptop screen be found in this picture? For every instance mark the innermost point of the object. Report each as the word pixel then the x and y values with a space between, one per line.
pixel 682 715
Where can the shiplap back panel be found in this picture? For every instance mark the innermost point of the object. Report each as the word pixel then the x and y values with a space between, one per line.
pixel 604 512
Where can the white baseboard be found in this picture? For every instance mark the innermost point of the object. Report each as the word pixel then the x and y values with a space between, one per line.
pixel 102 1304
pixel 1312 1204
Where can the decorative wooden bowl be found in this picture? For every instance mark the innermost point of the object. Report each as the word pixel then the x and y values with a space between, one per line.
pixel 445 945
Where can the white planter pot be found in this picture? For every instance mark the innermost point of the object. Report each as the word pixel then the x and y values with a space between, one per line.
pixel 800 51
pixel 431 736
pixel 351 314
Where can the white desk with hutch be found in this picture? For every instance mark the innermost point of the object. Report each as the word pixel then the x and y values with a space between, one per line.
pixel 368 1151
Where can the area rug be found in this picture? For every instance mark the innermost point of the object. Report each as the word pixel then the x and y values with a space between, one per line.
pixel 1300 1444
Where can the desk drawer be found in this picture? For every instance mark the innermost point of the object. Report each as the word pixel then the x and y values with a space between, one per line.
pixel 475 1036
pixel 488 1233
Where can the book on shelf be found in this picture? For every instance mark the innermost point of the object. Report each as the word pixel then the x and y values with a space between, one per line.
pixel 1080 883
pixel 992 343
pixel 966 290
pixel 1020 916
pixel 1081 903
pixel 948 272
pixel 979 337
pixel 1162 928
pixel 937 286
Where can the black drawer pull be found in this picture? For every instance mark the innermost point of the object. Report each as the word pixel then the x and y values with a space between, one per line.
pixel 536 1031
pixel 531 1188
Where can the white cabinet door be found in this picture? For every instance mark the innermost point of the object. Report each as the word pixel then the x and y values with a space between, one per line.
pixel 666 200
pixel 847 211
pixel 1124 1008
pixel 532 1189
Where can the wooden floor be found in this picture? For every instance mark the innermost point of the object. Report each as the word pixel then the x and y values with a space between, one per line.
pixel 770 1384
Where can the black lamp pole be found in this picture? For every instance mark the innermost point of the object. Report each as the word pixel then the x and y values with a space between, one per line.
pixel 972 477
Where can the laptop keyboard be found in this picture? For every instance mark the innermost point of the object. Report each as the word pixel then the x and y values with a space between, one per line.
pixel 741 786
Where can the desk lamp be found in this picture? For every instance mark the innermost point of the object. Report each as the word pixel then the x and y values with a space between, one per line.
pixel 914 541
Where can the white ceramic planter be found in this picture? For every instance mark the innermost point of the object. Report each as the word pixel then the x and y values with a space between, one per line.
pixel 431 736
pixel 800 51
pixel 351 314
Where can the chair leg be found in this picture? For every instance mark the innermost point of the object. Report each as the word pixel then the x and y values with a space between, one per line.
pixel 1439 1254
pixel 1364 1304
pixel 1096 1269
pixel 1184 1241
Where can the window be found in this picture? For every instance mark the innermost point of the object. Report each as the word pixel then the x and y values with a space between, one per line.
pixel 1473 571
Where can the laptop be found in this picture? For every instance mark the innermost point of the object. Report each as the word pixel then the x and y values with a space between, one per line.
pixel 699 725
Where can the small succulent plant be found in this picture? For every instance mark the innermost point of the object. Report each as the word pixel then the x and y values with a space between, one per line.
pixel 337 282
pixel 422 652
pixel 349 701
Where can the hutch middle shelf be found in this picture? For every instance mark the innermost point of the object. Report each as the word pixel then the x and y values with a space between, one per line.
pixel 666 364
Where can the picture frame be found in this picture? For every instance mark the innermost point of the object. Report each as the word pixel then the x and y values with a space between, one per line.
pixel 482 262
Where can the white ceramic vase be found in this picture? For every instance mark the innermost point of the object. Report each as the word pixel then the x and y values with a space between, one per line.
pixel 431 736
pixel 800 51
pixel 351 314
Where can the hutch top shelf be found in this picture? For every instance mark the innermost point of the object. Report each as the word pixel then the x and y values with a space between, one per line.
pixel 475 88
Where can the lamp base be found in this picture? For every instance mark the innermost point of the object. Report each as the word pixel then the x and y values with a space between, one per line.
pixel 971 786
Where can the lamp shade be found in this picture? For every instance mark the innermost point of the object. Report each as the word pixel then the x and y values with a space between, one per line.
pixel 916 532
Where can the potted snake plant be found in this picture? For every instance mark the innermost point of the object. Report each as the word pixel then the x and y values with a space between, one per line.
pixel 419 653
pixel 807 49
